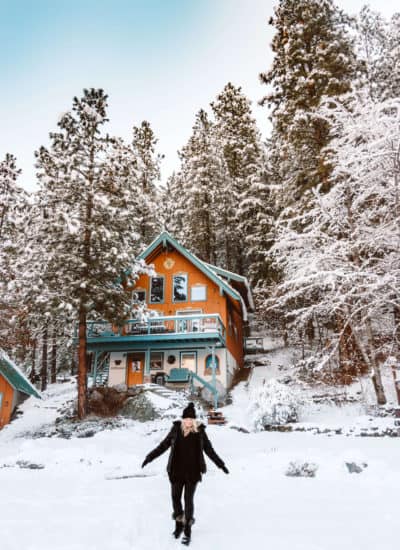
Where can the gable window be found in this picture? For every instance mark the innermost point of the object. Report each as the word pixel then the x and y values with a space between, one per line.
pixel 156 290
pixel 198 293
pixel 180 284
pixel 209 364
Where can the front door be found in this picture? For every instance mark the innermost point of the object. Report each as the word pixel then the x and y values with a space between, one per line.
pixel 135 368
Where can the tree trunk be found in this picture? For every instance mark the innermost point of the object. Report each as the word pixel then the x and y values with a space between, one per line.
pixel 82 367
pixel 370 360
pixel 376 376
pixel 43 371
pixel 32 376
pixel 54 357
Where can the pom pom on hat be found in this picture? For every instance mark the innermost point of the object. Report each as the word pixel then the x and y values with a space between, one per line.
pixel 189 411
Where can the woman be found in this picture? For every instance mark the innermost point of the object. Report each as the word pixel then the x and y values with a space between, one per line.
pixel 186 463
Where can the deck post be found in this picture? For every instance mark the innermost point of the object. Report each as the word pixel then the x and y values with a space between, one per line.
pixel 214 378
pixel 147 365
pixel 96 354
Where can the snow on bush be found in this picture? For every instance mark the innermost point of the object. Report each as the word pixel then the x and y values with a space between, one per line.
pixel 273 403
pixel 299 468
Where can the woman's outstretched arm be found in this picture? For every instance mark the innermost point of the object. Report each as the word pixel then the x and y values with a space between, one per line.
pixel 209 450
pixel 160 449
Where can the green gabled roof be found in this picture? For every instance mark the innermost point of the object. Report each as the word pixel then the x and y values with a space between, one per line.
pixel 15 377
pixel 230 276
pixel 165 238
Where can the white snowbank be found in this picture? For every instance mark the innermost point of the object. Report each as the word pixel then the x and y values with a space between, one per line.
pixel 81 500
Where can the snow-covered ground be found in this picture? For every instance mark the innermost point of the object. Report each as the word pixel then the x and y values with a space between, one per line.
pixel 93 495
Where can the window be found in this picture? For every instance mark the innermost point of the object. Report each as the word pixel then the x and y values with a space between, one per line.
pixel 208 364
pixel 156 290
pixel 180 288
pixel 198 293
pixel 138 296
pixel 1 399
pixel 156 360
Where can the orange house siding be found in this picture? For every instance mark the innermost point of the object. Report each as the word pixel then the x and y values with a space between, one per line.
pixel 214 303
pixel 6 406
pixel 234 341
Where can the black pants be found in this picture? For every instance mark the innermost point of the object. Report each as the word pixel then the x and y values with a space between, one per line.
pixel 176 493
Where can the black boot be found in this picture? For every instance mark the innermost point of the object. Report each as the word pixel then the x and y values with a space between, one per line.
pixel 187 532
pixel 179 523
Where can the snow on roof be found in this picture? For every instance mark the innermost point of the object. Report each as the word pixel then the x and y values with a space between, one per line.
pixel 15 377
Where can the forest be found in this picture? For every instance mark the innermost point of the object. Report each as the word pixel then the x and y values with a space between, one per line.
pixel 311 216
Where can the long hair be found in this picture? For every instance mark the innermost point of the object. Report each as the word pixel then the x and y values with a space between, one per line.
pixel 193 428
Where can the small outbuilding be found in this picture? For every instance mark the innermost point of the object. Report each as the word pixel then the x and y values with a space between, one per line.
pixel 14 388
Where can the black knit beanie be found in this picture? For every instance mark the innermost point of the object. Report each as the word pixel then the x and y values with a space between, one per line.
pixel 189 411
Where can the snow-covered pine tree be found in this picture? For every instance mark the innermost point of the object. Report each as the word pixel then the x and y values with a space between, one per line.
pixel 371 45
pixel 243 151
pixel 201 184
pixel 314 58
pixel 346 261
pixel 85 234
pixel 391 60
pixel 172 209
pixel 148 173
pixel 13 208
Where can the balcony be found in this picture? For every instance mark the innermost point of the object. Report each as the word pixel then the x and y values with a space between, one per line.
pixel 167 331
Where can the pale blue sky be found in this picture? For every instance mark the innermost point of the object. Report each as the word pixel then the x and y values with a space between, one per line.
pixel 160 60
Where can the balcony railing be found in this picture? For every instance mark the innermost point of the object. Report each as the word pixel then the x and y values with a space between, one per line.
pixel 180 324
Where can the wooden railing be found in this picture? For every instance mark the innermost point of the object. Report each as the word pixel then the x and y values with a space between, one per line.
pixel 179 324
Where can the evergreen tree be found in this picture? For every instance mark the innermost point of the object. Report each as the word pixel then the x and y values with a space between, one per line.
pixel 202 174
pixel 371 47
pixel 84 236
pixel 314 58
pixel 13 207
pixel 243 151
pixel 148 173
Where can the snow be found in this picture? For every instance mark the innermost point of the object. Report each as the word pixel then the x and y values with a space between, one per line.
pixel 83 499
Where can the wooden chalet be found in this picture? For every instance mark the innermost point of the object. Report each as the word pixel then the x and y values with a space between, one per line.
pixel 192 329
pixel 14 388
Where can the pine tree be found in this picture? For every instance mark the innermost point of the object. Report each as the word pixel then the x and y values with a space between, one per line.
pixel 314 58
pixel 199 185
pixel 243 151
pixel 148 173
pixel 84 238
pixel 371 45
pixel 13 207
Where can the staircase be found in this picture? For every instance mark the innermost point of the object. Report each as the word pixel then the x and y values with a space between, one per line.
pixel 100 372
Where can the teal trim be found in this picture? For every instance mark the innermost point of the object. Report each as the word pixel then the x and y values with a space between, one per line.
pixel 128 346
pixel 227 274
pixel 209 360
pixel 15 377
pixel 147 362
pixel 213 389
pixel 165 237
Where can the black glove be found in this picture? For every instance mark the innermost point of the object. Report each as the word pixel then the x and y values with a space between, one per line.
pixel 146 461
pixel 225 469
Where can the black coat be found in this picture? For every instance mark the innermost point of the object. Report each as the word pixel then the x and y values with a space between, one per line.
pixel 170 442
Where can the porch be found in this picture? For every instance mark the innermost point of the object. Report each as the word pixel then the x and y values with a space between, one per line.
pixel 165 330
